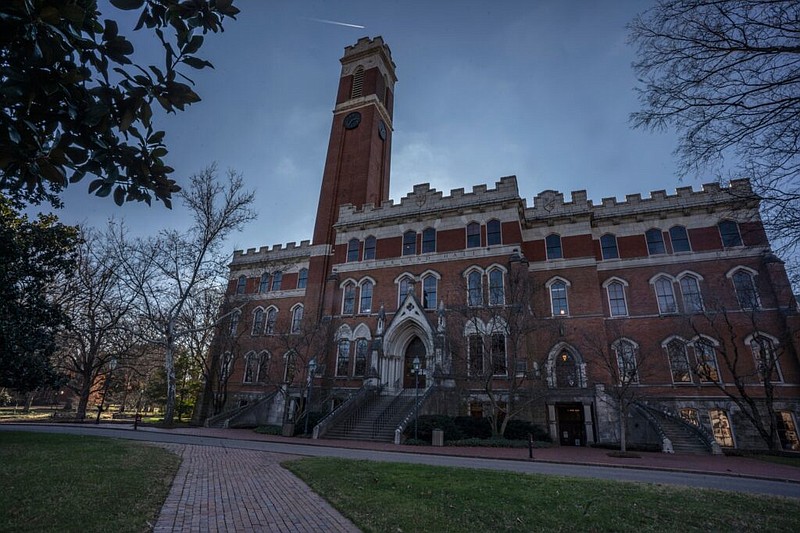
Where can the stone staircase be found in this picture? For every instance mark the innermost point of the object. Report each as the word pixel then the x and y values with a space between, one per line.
pixel 684 439
pixel 375 420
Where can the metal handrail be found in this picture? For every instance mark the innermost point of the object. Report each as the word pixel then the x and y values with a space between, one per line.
pixel 353 402
pixel 398 433
pixel 227 416
pixel 707 438
pixel 390 410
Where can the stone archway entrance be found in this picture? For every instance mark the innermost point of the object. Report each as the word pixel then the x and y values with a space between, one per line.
pixel 416 348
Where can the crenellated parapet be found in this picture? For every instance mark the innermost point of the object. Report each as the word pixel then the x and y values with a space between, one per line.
pixel 278 252
pixel 551 204
pixel 424 200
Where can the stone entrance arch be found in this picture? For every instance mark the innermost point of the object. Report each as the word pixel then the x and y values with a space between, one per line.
pixel 409 335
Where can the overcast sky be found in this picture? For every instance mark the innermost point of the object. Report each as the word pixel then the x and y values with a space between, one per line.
pixel 540 89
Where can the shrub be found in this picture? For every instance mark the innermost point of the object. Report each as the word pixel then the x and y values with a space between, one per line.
pixel 427 423
pixel 268 430
pixel 520 429
pixel 490 443
pixel 313 419
pixel 473 427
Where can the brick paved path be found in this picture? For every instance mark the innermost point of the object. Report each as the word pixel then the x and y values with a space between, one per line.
pixel 223 489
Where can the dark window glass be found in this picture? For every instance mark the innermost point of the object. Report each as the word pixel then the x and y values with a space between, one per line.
pixel 745 290
pixel 241 284
pixel 608 244
pixel 473 235
pixel 729 231
pixel 493 234
pixel 558 297
pixel 499 365
pixel 352 250
pixel 272 316
pixel 409 243
pixel 680 239
pixel 302 278
pixel 362 346
pixel 553 245
pixel 429 292
pixel 369 248
pixel 475 289
pixel 365 305
pixel 428 241
pixel 297 319
pixel 263 285
pixel 616 299
pixel 343 358
pixel 655 242
pixel 349 299
pixel 277 277
pixel 476 355
pixel 403 288
pixel 496 292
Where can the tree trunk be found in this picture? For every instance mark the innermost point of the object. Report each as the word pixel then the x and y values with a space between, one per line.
pixel 622 429
pixel 169 366
pixel 83 397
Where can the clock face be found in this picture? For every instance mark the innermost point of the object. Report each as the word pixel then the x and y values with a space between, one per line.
pixel 382 130
pixel 352 120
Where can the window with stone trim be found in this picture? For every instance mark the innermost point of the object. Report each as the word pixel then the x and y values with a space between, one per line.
pixel 263 284
pixel 277 279
pixel 410 243
pixel 499 355
pixel 493 233
pixel 234 322
pixel 475 289
pixel 365 302
pixel 429 289
pixel 352 250
pixel 608 246
pixel 665 295
pixel 552 245
pixel 721 427
pixel 403 288
pixel 707 369
pixel 473 235
pixel 655 242
pixel 729 233
pixel 558 298
pixel 358 82
pixel 250 367
pixel 692 298
pixel 680 239
pixel 787 431
pixel 258 322
pixel 679 361
pixel 475 346
pixel 617 305
pixel 360 366
pixel 745 286
pixel 302 278
pixel 241 284
pixel 297 319
pixel 625 352
pixel 349 298
pixel 766 358
pixel 429 240
pixel 566 370
pixel 497 294
pixel 272 317
pixel 689 414
pixel 343 358
pixel 369 248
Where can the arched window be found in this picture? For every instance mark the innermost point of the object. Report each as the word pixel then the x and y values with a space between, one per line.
pixel 558 298
pixel 745 287
pixel 241 284
pixel 707 369
pixel 302 278
pixel 473 235
pixel 721 426
pixel 626 361
pixel 343 358
pixel 272 316
pixel 499 356
pixel 566 370
pixel 429 286
pixel 263 284
pixel 665 295
pixel 250 367
pixel 689 414
pixel 277 278
pixel 297 319
pixel 680 239
pixel 360 366
pixel 766 358
pixel 263 367
pixel 429 241
pixel 608 245
pixel 729 233
pixel 475 354
pixel 616 299
pixel 290 368
pixel 410 242
pixel 493 233
pixel 369 248
pixel 234 322
pixel 258 321
pixel 404 286
pixel 349 298
pixel 655 242
pixel 352 250
pixel 475 288
pixel 692 299
pixel 496 288
pixel 365 303
pixel 358 82
pixel 678 361
pixel 553 245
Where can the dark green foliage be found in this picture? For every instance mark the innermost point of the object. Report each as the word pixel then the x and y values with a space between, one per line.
pixel 75 104
pixel 427 423
pixel 520 429
pixel 313 419
pixel 474 427
pixel 269 430
pixel 33 256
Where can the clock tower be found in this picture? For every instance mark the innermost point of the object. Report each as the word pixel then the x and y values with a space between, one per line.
pixel 359 151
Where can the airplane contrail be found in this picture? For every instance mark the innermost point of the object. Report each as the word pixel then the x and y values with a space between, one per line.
pixel 339 23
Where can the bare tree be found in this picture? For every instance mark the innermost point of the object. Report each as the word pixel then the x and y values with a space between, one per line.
pixel 752 367
pixel 623 368
pixel 170 268
pixel 724 74
pixel 98 305
pixel 489 343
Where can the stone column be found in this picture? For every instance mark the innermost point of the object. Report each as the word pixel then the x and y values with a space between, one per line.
pixel 553 423
pixel 588 424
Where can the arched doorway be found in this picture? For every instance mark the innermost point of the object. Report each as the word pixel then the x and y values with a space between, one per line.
pixel 416 348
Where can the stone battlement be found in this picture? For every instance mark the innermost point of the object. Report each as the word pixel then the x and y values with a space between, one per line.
pixel 423 199
pixel 277 252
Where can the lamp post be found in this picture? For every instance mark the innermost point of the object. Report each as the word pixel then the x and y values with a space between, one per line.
pixel 312 367
pixel 415 366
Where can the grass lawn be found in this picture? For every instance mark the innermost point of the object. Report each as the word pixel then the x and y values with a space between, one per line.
pixel 406 498
pixel 77 483
pixel 780 459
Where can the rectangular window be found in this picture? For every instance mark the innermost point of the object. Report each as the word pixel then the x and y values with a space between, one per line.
pixel 690 415
pixel 352 250
pixel 680 239
pixel 409 243
pixel 655 242
pixel 343 358
pixel 429 241
pixel 499 365
pixel 665 296
pixel 369 248
pixel 616 299
pixel 360 368
pixel 277 278
pixel 493 233
pixel 476 355
pixel 558 297
pixel 365 305
pixel 608 245
pixel 429 292
pixel 787 431
pixel 473 235
pixel 707 369
pixel 496 291
pixel 348 307
pixel 302 278
pixel 553 245
pixel 729 232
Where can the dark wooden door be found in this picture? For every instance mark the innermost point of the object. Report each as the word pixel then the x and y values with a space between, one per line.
pixel 416 348
pixel 570 425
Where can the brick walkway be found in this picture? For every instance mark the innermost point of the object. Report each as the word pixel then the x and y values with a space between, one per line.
pixel 223 489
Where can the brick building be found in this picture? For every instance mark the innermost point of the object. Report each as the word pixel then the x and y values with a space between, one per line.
pixel 475 303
